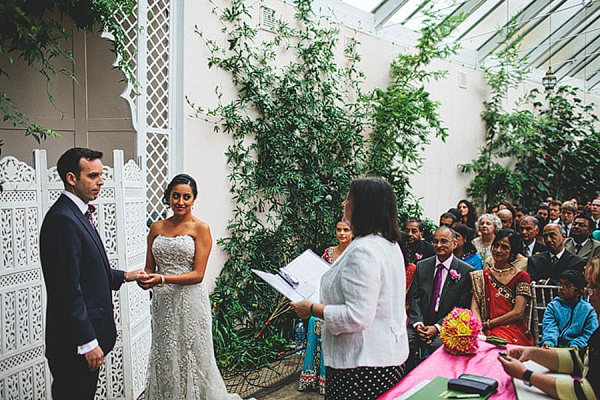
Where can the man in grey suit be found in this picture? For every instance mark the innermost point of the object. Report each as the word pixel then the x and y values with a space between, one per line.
pixel 440 284
pixel 581 242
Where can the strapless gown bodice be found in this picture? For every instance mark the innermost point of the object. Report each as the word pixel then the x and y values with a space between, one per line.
pixel 173 255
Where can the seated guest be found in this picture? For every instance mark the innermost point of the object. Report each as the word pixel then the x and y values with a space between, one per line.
pixel 566 361
pixel 581 242
pixel 569 321
pixel 465 250
pixel 468 213
pixel 501 293
pixel 554 209
pixel 521 212
pixel 416 248
pixel 505 218
pixel 446 219
pixel 542 222
pixel 595 211
pixel 546 267
pixel 440 284
pixel 487 225
pixel 507 205
pixel 544 210
pixel 529 231
pixel 568 211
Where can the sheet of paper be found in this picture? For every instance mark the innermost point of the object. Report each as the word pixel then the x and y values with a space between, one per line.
pixel 525 392
pixel 307 268
pixel 279 284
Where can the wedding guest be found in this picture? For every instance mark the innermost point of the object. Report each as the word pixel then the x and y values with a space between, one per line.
pixel 501 293
pixel 313 369
pixel 417 248
pixel 468 213
pixel 569 320
pixel 182 361
pixel 565 361
pixel 465 250
pixel 443 277
pixel 487 226
pixel 364 330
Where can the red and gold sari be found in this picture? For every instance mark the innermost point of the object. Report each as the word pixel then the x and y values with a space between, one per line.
pixel 495 299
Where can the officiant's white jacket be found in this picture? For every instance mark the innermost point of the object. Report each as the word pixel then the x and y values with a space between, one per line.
pixel 364 293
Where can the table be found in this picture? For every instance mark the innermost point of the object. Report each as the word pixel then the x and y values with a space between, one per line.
pixel 441 363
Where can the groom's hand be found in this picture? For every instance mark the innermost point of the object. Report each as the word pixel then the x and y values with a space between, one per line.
pixel 94 358
pixel 136 275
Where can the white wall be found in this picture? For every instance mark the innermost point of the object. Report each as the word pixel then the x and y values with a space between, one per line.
pixel 440 183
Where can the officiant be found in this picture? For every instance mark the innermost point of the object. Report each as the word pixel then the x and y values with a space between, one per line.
pixel 364 331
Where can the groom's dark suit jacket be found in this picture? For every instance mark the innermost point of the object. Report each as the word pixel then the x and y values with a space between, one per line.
pixel 78 282
pixel 455 293
pixel 540 266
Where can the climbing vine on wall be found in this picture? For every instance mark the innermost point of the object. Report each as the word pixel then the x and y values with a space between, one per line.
pixel 300 132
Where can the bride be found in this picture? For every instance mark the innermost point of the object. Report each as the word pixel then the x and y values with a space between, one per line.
pixel 182 363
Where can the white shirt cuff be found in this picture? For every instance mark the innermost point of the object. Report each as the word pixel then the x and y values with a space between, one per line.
pixel 417 324
pixel 86 348
pixel 439 328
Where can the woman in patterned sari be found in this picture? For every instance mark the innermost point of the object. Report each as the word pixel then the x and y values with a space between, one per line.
pixel 313 369
pixel 502 292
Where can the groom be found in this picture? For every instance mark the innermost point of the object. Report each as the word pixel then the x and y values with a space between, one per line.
pixel 80 329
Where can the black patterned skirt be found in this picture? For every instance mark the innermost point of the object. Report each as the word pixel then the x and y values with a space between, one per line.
pixel 362 383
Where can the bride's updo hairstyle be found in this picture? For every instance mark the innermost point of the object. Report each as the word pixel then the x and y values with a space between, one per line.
pixel 181 179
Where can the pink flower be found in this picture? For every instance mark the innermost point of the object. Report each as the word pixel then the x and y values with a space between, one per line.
pixel 418 256
pixel 454 275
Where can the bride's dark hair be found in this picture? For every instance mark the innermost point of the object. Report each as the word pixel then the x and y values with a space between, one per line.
pixel 181 179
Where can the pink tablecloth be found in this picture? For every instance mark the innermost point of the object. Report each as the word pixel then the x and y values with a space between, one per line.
pixel 440 363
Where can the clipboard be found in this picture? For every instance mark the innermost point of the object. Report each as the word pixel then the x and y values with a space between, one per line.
pixel 300 279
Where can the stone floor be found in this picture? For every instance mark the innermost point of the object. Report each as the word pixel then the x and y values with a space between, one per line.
pixel 288 392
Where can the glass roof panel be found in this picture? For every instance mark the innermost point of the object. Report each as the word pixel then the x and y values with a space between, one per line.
pixel 365 5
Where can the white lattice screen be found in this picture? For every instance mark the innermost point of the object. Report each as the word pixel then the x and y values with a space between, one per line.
pixel 158 123
pixel 148 33
pixel 28 194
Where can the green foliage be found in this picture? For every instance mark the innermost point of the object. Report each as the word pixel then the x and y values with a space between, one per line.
pixel 299 134
pixel 560 156
pixel 556 149
pixel 33 31
pixel 403 115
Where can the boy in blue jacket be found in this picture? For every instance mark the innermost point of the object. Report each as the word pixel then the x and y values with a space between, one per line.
pixel 569 321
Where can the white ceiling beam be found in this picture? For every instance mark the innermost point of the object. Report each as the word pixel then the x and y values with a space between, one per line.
pixel 386 10
pixel 530 11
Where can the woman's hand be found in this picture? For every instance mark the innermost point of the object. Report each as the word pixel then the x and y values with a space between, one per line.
pixel 512 366
pixel 520 353
pixel 302 308
pixel 150 282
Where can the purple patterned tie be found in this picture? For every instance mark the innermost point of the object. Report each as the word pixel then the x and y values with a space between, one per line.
pixel 88 214
pixel 437 288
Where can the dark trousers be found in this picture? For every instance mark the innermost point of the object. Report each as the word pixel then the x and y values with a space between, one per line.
pixel 415 343
pixel 71 378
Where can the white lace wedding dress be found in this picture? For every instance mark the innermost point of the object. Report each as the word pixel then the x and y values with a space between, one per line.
pixel 182 363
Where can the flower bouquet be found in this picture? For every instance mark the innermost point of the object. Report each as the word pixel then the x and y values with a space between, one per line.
pixel 459 332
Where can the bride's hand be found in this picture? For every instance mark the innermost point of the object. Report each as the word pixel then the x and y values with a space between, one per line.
pixel 150 282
